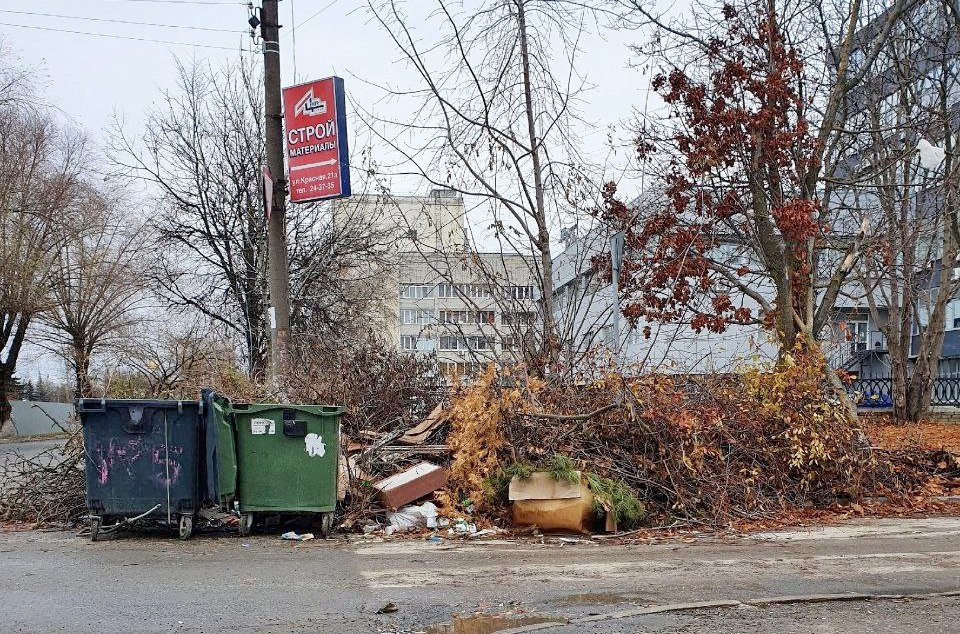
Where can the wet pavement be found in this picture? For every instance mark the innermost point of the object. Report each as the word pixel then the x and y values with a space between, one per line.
pixel 12 449
pixel 56 582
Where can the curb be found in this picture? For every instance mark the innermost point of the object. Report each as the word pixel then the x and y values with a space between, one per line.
pixel 729 603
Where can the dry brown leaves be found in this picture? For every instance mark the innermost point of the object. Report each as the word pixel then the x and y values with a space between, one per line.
pixel 925 435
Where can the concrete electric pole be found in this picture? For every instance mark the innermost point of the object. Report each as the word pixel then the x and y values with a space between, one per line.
pixel 277 267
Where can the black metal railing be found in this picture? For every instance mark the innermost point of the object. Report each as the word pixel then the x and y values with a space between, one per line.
pixel 879 392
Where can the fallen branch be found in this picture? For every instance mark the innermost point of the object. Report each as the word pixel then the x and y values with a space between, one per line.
pixel 602 410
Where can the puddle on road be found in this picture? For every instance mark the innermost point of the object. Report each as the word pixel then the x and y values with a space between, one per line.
pixel 599 598
pixel 482 624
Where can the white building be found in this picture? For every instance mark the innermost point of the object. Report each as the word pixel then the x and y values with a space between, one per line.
pixel 585 310
pixel 438 296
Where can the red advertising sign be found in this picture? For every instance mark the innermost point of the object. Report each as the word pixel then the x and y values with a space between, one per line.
pixel 315 126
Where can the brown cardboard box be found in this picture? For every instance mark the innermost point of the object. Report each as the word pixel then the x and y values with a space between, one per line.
pixel 552 505
pixel 412 484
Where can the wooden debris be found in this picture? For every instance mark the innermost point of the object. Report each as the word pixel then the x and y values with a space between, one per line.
pixel 420 433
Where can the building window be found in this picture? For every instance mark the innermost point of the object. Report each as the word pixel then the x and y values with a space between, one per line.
pixel 415 291
pixel 451 342
pixel 408 342
pixel 480 343
pixel 416 316
pixel 484 317
pixel 445 290
pixel 522 318
pixel 480 291
pixel 454 316
pixel 455 371
pixel 521 292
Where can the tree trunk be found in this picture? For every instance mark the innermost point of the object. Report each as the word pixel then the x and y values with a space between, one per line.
pixel 5 409
pixel 900 379
pixel 81 371
pixel 542 244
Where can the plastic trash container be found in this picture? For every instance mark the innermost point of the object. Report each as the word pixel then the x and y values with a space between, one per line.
pixel 142 462
pixel 287 459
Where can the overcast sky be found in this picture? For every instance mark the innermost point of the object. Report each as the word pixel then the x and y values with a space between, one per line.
pixel 91 77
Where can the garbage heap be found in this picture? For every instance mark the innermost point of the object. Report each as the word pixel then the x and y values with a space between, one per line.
pixel 617 452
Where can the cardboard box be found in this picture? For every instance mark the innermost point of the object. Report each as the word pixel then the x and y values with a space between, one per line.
pixel 412 484
pixel 552 505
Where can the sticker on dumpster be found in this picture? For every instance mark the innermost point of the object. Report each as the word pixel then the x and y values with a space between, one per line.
pixel 261 426
pixel 315 446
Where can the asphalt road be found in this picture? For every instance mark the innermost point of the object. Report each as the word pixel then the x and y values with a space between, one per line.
pixel 30 449
pixel 56 582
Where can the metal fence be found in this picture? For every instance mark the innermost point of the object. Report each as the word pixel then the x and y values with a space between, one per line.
pixel 879 392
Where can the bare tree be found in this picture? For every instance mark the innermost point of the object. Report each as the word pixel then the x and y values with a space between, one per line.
pixel 907 276
pixel 40 168
pixel 203 151
pixel 96 283
pixel 495 120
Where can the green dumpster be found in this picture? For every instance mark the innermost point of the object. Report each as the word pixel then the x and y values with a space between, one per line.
pixel 287 460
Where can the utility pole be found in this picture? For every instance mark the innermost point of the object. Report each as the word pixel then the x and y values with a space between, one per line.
pixel 277 267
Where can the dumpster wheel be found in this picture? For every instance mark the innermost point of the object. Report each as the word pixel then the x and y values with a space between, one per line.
pixel 326 524
pixel 186 526
pixel 246 524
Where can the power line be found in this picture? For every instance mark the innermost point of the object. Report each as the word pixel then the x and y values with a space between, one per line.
pixel 319 11
pixel 80 17
pixel 118 37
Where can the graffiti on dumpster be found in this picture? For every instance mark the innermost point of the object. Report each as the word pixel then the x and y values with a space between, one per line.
pixel 122 455
pixel 122 458
pixel 315 446
pixel 168 473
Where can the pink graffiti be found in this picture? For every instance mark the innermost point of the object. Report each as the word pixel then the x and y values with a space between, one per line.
pixel 104 471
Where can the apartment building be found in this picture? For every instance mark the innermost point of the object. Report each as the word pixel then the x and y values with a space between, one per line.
pixel 437 296
pixel 469 309
pixel 585 309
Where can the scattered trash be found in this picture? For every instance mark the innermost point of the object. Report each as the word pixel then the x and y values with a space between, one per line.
pixel 486 532
pixel 462 527
pixel 553 505
pixel 411 484
pixel 410 517
pixel 246 545
pixel 434 539
pixel 419 434
pixel 429 511
pixel 569 540
pixel 293 536
pixel 388 608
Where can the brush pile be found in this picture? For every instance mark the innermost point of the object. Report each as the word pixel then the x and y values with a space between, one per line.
pixel 705 449
pixel 45 489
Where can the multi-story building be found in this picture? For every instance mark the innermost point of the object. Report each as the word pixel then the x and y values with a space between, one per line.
pixel 440 297
pixel 468 308
pixel 585 309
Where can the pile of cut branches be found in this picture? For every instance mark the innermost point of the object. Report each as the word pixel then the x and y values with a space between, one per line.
pixel 46 489
pixel 711 449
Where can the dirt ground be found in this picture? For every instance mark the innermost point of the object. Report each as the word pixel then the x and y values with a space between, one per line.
pixel 57 582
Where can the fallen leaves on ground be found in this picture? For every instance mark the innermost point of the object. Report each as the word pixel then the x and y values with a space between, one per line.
pixel 925 435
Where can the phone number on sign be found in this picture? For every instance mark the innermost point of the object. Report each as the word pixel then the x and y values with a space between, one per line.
pixel 317 188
